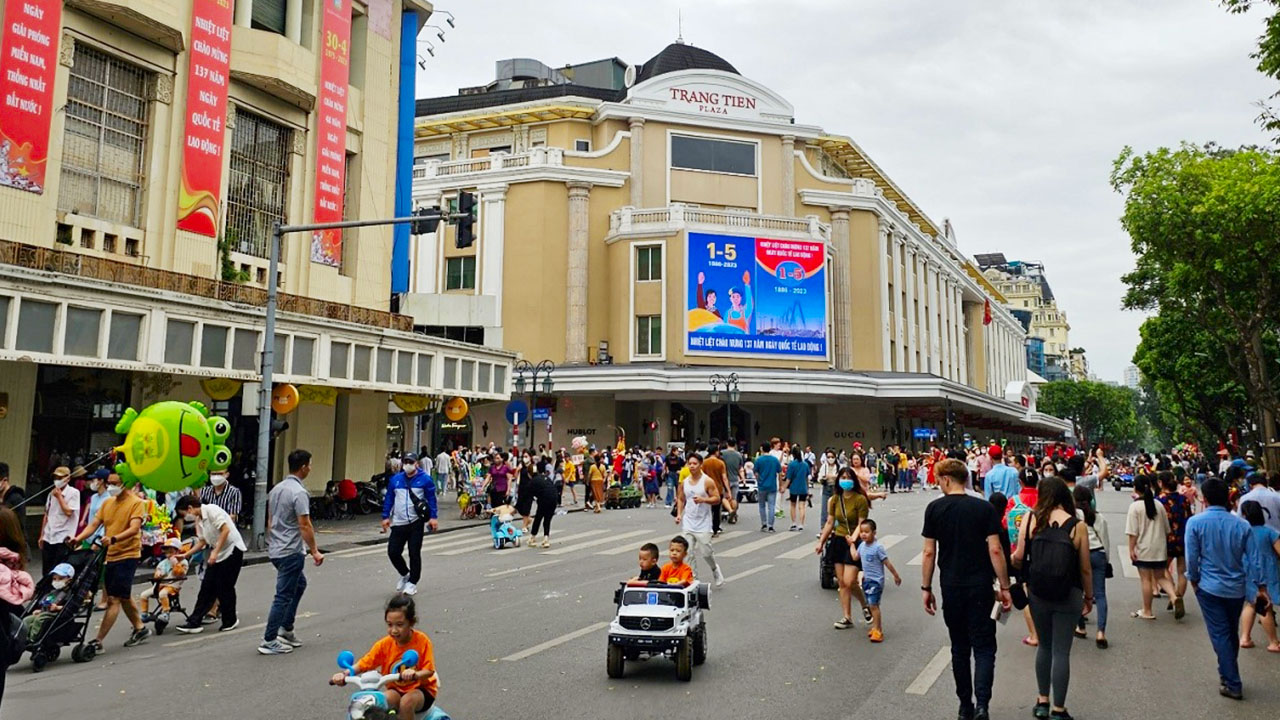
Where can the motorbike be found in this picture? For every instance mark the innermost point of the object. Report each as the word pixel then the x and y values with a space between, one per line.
pixel 368 702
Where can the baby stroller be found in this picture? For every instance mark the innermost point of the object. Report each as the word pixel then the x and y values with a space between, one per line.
pixel 70 624
pixel 471 500
pixel 162 619
pixel 504 533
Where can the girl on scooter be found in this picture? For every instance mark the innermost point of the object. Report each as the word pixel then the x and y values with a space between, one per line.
pixel 415 691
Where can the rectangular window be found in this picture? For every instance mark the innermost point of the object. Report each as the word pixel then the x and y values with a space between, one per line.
pixel 269 15
pixel 82 332
pixel 385 358
pixel 722 156
pixel 460 273
pixel 451 372
pixel 500 379
pixel 649 335
pixel 404 368
pixel 486 370
pixel 582 145
pixel 278 352
pixel 424 370
pixel 350 195
pixel 213 346
pixel 122 339
pixel 4 319
pixel 178 337
pixel 258 189
pixel 361 364
pixel 244 354
pixel 338 353
pixel 649 263
pixel 424 159
pixel 303 349
pixel 104 143
pixel 468 374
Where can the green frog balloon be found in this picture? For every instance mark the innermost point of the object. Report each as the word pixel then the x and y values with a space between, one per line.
pixel 172 445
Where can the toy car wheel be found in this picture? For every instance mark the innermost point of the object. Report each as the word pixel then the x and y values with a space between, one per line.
pixel 497 544
pixel 77 653
pixel 160 626
pixel 755 497
pixel 826 575
pixel 615 663
pixel 700 644
pixel 684 660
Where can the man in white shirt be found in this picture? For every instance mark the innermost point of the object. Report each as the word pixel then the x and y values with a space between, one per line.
pixel 441 476
pixel 215 530
pixel 61 515
pixel 1266 497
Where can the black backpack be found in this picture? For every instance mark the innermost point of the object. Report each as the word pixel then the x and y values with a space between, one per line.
pixel 1054 562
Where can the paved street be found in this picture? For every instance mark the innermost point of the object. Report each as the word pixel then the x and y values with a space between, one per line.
pixel 521 631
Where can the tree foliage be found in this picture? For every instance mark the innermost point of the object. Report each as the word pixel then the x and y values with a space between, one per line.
pixel 1205 226
pixel 1101 413
pixel 1267 53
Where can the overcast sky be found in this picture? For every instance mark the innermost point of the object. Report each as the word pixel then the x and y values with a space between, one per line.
pixel 1002 115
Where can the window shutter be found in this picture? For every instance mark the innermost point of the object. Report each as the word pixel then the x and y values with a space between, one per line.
pixel 269 15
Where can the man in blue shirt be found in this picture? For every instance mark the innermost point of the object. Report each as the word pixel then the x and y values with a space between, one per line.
pixel 767 469
pixel 406 490
pixel 1001 477
pixel 1215 543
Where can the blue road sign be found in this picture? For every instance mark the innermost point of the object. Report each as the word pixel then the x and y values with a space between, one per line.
pixel 517 412
pixel 542 413
pixel 924 434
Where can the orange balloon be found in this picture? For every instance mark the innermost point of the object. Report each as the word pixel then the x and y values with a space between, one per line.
pixel 284 398
pixel 455 409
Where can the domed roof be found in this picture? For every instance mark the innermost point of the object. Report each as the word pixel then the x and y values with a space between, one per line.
pixel 677 56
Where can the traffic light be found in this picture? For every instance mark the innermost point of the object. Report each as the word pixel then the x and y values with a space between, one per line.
pixel 429 222
pixel 466 223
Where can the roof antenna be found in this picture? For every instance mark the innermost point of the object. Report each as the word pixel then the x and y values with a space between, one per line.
pixel 680 27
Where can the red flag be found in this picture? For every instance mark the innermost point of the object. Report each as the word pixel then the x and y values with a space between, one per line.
pixel 986 312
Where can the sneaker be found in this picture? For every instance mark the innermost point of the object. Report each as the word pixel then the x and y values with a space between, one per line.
pixel 546 542
pixel 97 646
pixel 145 617
pixel 791 528
pixel 162 617
pixel 209 619
pixel 288 638
pixel 876 636
pixel 232 626
pixel 843 624
pixel 719 577
pixel 764 528
pixel 274 647
pixel 410 589
pixel 771 529
pixel 404 580
pixel 866 615
pixel 191 629
pixel 139 636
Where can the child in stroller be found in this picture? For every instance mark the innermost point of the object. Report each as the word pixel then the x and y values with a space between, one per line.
pixel 60 615
pixel 166 583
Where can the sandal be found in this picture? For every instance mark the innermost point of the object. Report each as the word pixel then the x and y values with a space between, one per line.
pixel 1138 614
pixel 1029 642
pixel 1102 643
pixel 1080 633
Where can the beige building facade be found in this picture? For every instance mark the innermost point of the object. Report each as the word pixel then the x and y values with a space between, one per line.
pixel 601 204
pixel 1026 288
pixel 105 303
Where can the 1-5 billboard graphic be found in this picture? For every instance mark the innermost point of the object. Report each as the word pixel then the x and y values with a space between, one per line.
pixel 754 296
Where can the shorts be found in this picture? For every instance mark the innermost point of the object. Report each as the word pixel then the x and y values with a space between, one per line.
pixel 1151 564
pixel 838 552
pixel 798 498
pixel 118 577
pixel 873 589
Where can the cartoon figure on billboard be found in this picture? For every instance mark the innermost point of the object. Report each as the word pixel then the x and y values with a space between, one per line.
pixel 741 304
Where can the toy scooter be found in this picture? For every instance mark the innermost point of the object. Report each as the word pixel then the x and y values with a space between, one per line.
pixel 368 701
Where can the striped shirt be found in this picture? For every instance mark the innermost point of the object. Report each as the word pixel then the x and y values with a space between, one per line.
pixel 229 499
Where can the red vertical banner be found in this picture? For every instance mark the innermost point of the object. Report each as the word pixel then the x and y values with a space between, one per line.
pixel 331 129
pixel 28 64
pixel 209 61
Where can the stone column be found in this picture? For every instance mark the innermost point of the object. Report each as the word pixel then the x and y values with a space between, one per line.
pixel 788 176
pixel 922 321
pixel 957 300
pixel 900 317
pixel 840 288
pixel 944 309
pixel 293 20
pixel 244 13
pixel 932 278
pixel 882 249
pixel 637 162
pixel 909 312
pixel 493 202
pixel 575 348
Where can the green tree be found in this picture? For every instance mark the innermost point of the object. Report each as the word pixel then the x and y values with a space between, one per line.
pixel 1190 394
pixel 1100 413
pixel 1267 53
pixel 1205 226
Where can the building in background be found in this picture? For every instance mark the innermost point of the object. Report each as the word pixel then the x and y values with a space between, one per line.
pixel 164 138
pixel 1078 363
pixel 648 231
pixel 1026 288
pixel 1132 377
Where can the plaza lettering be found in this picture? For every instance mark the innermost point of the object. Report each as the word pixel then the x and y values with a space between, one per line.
pixel 713 102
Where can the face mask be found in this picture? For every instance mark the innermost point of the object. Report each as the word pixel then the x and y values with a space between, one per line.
pixel 114 490
pixel 59 484
pixel 95 485
pixel 846 485
pixel 218 480
pixel 59 584
pixel 189 518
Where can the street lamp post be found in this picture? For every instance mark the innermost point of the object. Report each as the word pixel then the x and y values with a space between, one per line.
pixel 731 395
pixel 544 369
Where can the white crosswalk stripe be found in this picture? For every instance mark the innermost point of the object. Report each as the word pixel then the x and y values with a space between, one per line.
pixel 594 543
pixel 889 541
pixel 741 550
pixel 453 539
pixel 1122 551
pixel 917 560
pixel 486 543
pixel 803 551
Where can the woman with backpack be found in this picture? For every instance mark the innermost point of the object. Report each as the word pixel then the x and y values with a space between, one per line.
pixel 1099 541
pixel 1147 525
pixel 1053 547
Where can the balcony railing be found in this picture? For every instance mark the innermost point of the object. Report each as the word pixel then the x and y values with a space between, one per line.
pixel 635 220
pixel 69 262
pixel 535 157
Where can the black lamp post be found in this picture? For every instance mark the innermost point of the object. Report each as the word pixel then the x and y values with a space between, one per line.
pixel 543 369
pixel 731 395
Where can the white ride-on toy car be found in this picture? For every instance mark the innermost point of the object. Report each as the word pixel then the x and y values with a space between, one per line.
pixel 659 619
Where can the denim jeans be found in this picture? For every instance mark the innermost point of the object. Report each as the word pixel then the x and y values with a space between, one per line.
pixel 967 614
pixel 1222 620
pixel 827 492
pixel 671 492
pixel 290 584
pixel 1098 558
pixel 768 502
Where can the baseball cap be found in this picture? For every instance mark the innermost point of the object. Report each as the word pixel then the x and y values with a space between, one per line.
pixel 995 451
pixel 174 543
pixel 64 569
pixel 61 471
pixel 409 457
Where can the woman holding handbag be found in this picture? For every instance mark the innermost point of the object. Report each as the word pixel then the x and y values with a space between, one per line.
pixel 1099 541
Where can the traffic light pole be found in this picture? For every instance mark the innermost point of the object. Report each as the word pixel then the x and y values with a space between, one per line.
pixel 260 485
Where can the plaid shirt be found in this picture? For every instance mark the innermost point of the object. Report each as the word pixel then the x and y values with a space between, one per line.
pixel 229 499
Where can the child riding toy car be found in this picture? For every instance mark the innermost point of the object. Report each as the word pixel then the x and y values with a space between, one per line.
pixel 659 619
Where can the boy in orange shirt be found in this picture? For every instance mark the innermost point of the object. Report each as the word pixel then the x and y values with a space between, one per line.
pixel 415 691
pixel 677 572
